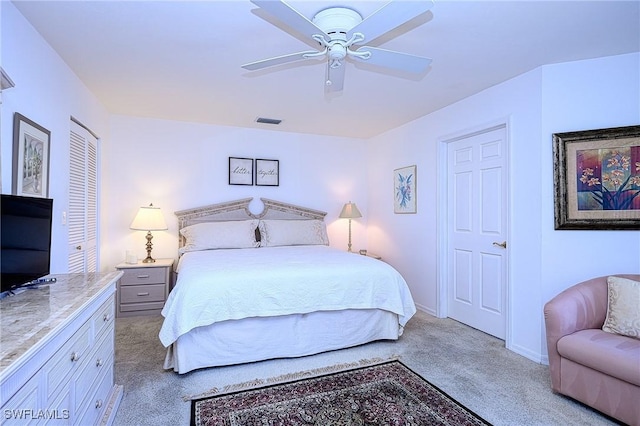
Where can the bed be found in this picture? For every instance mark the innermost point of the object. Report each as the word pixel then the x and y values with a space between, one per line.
pixel 252 287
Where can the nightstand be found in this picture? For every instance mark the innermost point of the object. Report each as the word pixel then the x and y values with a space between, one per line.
pixel 143 287
pixel 369 254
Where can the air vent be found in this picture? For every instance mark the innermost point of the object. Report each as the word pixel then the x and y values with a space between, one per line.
pixel 268 120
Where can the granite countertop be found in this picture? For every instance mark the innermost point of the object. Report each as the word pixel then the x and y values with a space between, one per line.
pixel 30 315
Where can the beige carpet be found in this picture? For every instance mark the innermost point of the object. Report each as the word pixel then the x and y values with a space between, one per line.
pixel 472 367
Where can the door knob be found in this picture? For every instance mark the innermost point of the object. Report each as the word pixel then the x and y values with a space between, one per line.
pixel 502 244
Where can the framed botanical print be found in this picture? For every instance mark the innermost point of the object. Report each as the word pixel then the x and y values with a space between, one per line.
pixel 597 179
pixel 404 190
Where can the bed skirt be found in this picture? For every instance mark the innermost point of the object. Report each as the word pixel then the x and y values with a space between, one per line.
pixel 257 339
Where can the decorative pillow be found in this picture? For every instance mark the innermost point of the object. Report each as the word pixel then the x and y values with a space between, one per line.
pixel 623 310
pixel 220 235
pixel 293 232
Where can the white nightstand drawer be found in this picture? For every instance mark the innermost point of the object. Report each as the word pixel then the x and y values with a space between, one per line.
pixel 142 293
pixel 135 276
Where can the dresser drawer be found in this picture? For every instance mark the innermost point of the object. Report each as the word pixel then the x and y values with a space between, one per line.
pixel 142 293
pixel 99 399
pixel 104 317
pixel 85 382
pixel 136 276
pixel 67 359
pixel 14 412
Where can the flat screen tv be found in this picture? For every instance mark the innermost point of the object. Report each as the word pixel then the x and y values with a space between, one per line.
pixel 26 239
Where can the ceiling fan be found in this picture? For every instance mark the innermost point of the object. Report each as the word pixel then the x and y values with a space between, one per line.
pixel 340 33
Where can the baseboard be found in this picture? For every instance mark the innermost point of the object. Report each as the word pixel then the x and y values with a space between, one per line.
pixel 527 353
pixel 423 308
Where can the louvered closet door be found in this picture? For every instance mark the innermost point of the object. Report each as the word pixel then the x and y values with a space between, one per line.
pixel 83 200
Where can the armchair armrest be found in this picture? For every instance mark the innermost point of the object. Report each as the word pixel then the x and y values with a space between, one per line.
pixel 580 307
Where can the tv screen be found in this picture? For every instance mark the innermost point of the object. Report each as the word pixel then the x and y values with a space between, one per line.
pixel 26 239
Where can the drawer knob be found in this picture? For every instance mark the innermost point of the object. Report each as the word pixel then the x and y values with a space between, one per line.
pixel 99 362
pixel 143 294
pixel 143 276
pixel 106 317
pixel 75 356
pixel 99 403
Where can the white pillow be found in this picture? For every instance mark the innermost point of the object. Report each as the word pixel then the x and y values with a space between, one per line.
pixel 293 232
pixel 623 309
pixel 220 235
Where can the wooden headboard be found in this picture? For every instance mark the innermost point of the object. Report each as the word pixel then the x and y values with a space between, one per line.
pixel 239 210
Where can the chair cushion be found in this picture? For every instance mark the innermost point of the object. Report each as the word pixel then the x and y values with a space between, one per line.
pixel 623 307
pixel 611 354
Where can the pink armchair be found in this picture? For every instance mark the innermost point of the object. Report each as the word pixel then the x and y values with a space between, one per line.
pixel 597 368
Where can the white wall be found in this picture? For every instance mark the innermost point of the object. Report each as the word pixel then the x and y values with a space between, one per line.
pixel 49 93
pixel 573 96
pixel 178 165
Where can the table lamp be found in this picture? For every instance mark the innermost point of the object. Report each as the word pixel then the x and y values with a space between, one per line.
pixel 149 219
pixel 350 211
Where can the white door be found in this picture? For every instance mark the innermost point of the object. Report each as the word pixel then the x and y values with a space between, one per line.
pixel 477 213
pixel 83 200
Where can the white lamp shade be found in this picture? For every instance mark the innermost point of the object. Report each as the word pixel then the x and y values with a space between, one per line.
pixel 149 219
pixel 350 211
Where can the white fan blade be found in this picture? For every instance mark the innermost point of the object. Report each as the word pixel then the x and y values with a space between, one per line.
pixel 388 17
pixel 394 60
pixel 335 78
pixel 290 16
pixel 278 60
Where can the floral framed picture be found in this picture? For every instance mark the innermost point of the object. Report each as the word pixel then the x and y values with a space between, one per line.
pixel 267 172
pixel 240 171
pixel 31 144
pixel 597 179
pixel 404 190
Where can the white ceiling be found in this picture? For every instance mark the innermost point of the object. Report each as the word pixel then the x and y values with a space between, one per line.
pixel 181 60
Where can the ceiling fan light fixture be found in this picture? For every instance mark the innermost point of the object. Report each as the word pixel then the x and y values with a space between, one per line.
pixel 341 33
pixel 336 20
pixel 337 52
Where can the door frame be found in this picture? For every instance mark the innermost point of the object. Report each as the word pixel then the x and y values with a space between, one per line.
pixel 442 217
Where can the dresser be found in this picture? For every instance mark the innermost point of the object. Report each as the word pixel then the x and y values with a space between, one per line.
pixel 57 352
pixel 143 287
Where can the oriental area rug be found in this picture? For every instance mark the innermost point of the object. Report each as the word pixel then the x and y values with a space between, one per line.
pixel 383 394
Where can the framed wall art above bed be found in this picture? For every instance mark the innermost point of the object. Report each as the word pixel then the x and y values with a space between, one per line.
pixel 240 171
pixel 267 172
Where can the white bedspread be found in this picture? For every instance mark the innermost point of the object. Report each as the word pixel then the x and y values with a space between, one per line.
pixel 220 285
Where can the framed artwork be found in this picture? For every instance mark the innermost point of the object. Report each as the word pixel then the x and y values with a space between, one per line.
pixel 597 179
pixel 240 171
pixel 31 143
pixel 267 172
pixel 404 190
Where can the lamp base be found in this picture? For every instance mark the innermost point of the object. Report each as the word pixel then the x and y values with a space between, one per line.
pixel 149 259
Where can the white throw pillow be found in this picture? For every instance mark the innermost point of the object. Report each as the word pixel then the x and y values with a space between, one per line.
pixel 293 232
pixel 623 309
pixel 220 235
